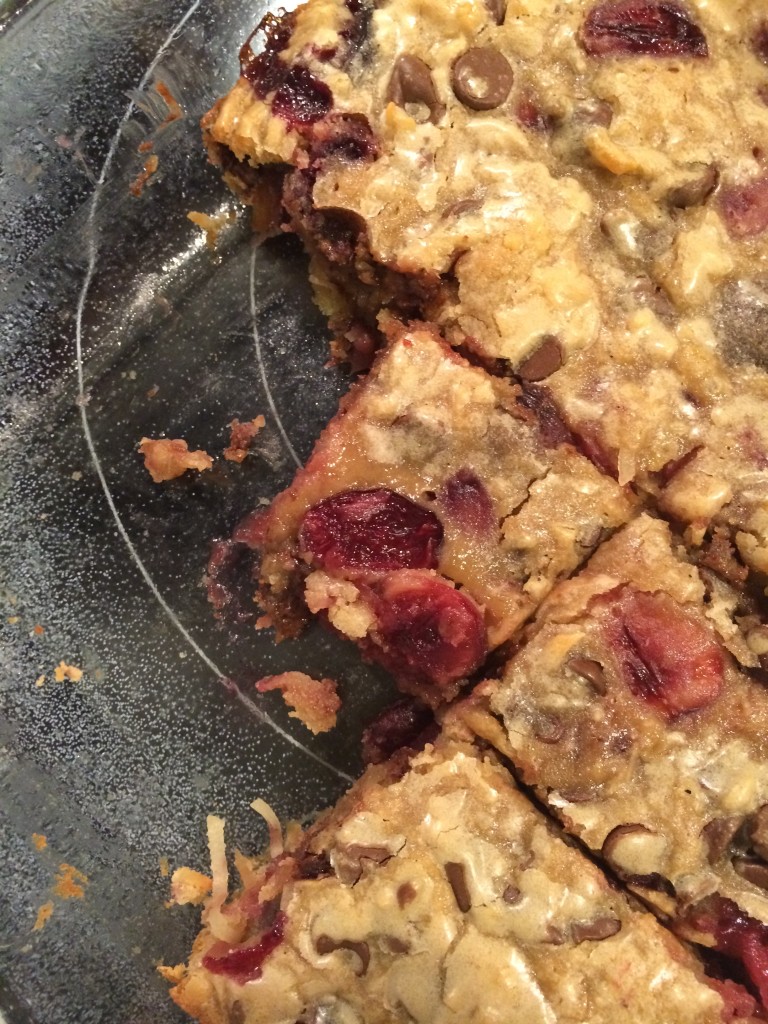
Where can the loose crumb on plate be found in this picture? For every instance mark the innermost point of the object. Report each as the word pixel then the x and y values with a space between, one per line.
pixel 166 458
pixel 64 671
pixel 150 167
pixel 315 701
pixel 39 841
pixel 43 916
pixel 241 437
pixel 189 886
pixel 211 225
pixel 70 883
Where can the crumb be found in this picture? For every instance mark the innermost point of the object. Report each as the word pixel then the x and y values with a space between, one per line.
pixel 39 841
pixel 145 146
pixel 174 109
pixel 189 886
pixel 164 867
pixel 70 883
pixel 14 620
pixel 43 916
pixel 150 167
pixel 212 226
pixel 39 681
pixel 315 702
pixel 172 974
pixel 153 391
pixel 263 622
pixel 241 437
pixel 64 671
pixel 38 630
pixel 76 475
pixel 168 458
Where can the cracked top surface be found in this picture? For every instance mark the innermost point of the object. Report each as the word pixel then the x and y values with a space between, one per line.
pixel 510 514
pixel 628 714
pixel 608 190
pixel 447 900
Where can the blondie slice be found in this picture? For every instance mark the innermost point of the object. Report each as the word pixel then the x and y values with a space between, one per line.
pixel 436 894
pixel 636 725
pixel 434 514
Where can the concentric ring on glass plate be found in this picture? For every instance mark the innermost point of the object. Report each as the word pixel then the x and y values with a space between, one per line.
pixel 92 251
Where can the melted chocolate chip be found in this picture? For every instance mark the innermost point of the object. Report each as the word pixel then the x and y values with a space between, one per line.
pixel 696 191
pixel 497 10
pixel 395 945
pixel 325 945
pixel 555 935
pixel 456 875
pixel 412 82
pixel 753 871
pixel 512 895
pixel 758 832
pixel 405 894
pixel 595 931
pixel 547 358
pixel 482 78
pixel 548 728
pixel 760 41
pixel 718 834
pixel 590 670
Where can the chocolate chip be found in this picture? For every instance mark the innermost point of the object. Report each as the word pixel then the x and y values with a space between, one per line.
pixel 594 112
pixel 497 9
pixel 718 834
pixel 592 671
pixel 595 931
pixel 325 945
pixel 348 860
pixel 548 728
pixel 395 945
pixel 469 205
pixel 405 894
pixel 696 191
pixel 482 78
pixel 753 871
pixel 512 895
pixel 555 935
pixel 412 82
pixel 457 879
pixel 547 358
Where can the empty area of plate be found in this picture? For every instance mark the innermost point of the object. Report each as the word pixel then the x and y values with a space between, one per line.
pixel 103 569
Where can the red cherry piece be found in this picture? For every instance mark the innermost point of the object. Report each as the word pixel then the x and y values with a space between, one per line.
pixel 373 531
pixel 739 936
pixel 302 99
pixel 738 1004
pixel 655 28
pixel 429 630
pixel 246 963
pixel 666 657
pixel 744 208
pixel 465 500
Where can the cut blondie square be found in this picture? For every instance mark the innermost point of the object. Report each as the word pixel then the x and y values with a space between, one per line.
pixel 434 514
pixel 436 894
pixel 635 724
pixel 577 194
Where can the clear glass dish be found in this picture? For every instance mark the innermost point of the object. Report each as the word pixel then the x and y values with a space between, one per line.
pixel 117 321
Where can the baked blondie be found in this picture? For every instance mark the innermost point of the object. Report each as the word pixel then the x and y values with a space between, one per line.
pixel 435 893
pixel 434 514
pixel 635 723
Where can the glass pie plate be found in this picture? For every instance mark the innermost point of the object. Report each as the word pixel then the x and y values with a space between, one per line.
pixel 117 321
